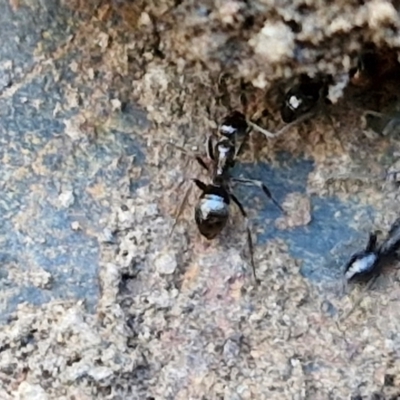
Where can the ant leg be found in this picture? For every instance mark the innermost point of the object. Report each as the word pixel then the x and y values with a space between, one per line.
pixel 195 156
pixel 391 244
pixel 359 299
pixel 210 150
pixel 180 209
pixel 271 135
pixel 201 162
pixel 377 114
pixel 241 145
pixel 371 246
pixel 202 186
pixel 257 128
pixel 251 251
pixel 262 186
pixel 180 148
pixel 302 118
pixel 249 238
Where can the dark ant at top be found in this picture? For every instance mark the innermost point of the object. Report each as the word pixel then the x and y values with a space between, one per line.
pixel 303 97
pixel 374 65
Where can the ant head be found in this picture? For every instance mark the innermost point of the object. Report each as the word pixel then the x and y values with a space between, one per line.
pixel 233 124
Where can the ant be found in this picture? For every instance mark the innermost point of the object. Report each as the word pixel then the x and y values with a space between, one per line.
pixel 213 207
pixel 368 262
pixel 303 97
pixel 236 126
pixel 373 66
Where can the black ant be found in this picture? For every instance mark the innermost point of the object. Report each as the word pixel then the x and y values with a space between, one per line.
pixel 368 262
pixel 373 66
pixel 298 106
pixel 303 97
pixel 212 208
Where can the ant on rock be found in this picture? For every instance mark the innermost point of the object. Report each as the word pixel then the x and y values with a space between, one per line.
pixel 213 206
pixel 365 265
pixel 301 100
pixel 374 66
pixel 368 262
pixel 299 104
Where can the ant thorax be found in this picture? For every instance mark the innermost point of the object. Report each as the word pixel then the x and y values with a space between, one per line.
pixel 225 154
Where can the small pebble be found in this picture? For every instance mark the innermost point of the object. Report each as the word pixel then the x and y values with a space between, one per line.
pixel 75 226
pixel 28 391
pixel 66 198
pixel 231 350
pixel 107 236
pixel 116 104
pixel 166 263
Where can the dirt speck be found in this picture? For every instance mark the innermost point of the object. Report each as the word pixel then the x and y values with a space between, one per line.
pixel 165 263
pixel 297 207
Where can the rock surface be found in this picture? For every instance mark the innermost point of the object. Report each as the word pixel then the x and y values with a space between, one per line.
pixel 97 301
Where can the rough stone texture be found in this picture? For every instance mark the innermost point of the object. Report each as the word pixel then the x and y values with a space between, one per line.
pixel 97 301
